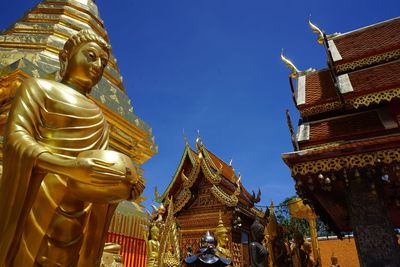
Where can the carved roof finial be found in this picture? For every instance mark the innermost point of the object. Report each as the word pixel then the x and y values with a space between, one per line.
pixel 320 39
pixel 199 142
pixel 184 137
pixel 238 189
pixel 295 71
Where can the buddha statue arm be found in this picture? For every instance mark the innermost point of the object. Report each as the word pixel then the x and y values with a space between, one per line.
pixel 80 168
pixel 23 131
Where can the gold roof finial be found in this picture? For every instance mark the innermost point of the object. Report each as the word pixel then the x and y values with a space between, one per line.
pixel 238 189
pixel 295 71
pixel 316 30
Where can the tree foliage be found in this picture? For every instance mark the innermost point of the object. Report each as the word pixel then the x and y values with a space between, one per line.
pixel 291 224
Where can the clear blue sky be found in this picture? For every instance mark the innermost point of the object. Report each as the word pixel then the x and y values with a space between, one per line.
pixel 214 65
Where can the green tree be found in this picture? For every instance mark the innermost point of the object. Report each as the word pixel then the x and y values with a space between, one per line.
pixel 291 224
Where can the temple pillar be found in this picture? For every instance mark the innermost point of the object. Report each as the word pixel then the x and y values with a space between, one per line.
pixel 374 234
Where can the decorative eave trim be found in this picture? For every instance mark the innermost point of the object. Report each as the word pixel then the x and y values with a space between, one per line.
pixel 180 203
pixel 376 98
pixel 186 152
pixel 207 157
pixel 212 178
pixel 363 62
pixel 364 100
pixel 229 200
pixel 188 181
pixel 346 162
pixel 321 108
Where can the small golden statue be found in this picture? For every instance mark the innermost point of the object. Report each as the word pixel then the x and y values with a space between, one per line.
pixel 153 247
pixel 221 233
pixel 60 186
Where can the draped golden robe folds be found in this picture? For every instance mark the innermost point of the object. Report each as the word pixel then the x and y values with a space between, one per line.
pixel 49 117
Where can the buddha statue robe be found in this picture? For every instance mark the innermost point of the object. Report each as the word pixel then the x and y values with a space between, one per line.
pixel 42 223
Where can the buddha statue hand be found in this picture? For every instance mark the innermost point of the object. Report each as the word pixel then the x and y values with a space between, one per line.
pixel 86 170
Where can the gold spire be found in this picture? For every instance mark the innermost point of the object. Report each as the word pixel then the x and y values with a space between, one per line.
pixel 221 227
pixel 295 71
pixel 316 30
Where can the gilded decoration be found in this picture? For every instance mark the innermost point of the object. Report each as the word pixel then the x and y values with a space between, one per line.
pixel 320 108
pixel 257 212
pixel 188 181
pixel 376 98
pixel 180 203
pixel 229 200
pixel 169 254
pixel 214 178
pixel 340 163
pixel 357 64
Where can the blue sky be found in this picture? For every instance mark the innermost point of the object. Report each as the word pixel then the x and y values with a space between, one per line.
pixel 214 65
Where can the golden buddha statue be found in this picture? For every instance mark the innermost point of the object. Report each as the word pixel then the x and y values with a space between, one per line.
pixel 60 186
pixel 153 247
pixel 221 233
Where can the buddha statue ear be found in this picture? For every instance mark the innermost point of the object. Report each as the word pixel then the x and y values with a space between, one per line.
pixel 63 62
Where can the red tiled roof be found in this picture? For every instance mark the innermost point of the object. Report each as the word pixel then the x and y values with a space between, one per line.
pixel 368 41
pixel 374 79
pixel 345 128
pixel 320 89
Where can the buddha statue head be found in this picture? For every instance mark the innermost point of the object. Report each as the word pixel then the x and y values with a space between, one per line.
pixel 154 232
pixel 83 59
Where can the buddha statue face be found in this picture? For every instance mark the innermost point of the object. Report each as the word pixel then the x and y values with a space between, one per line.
pixel 83 61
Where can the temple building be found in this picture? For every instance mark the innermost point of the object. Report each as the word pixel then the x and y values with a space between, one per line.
pixel 203 187
pixel 346 157
pixel 30 48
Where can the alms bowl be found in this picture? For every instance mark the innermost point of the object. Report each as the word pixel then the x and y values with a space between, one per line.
pixel 105 193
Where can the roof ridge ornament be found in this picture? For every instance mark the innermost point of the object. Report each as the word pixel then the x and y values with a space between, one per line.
pixel 317 30
pixel 199 142
pixel 184 137
pixel 295 71
pixel 238 188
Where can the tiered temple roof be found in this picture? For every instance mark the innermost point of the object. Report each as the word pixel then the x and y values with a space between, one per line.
pixel 226 184
pixel 349 118
pixel 203 186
